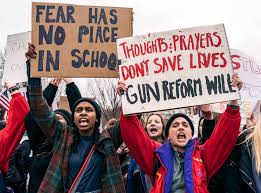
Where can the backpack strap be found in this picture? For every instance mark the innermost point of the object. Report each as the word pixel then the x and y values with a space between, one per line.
pixel 81 172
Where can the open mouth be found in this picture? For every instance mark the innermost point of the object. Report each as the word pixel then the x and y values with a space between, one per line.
pixel 153 130
pixel 83 122
pixel 181 136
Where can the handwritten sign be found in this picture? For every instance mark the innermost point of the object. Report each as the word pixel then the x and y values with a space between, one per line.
pixel 15 61
pixel 176 69
pixel 77 41
pixel 250 73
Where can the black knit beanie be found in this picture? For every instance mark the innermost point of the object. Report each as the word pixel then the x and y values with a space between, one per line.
pixel 96 107
pixel 171 119
pixel 65 114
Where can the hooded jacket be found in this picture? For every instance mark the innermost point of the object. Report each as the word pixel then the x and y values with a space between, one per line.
pixel 200 162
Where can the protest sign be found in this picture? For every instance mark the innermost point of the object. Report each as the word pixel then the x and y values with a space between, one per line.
pixel 15 61
pixel 76 40
pixel 175 69
pixel 250 73
pixel 257 110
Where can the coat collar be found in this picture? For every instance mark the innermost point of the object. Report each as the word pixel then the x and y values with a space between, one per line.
pixel 166 155
pixel 188 176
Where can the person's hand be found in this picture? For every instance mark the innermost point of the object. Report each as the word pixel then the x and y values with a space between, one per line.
pixel 123 149
pixel 251 122
pixel 12 87
pixel 207 111
pixel 55 81
pixel 121 87
pixel 9 85
pixel 68 80
pixel 31 53
pixel 236 81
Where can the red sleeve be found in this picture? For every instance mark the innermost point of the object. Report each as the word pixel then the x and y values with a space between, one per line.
pixel 140 145
pixel 219 146
pixel 11 135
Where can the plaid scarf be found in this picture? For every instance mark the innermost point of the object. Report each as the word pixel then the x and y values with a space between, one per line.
pixel 55 178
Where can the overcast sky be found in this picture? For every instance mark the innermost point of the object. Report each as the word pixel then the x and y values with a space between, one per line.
pixel 242 18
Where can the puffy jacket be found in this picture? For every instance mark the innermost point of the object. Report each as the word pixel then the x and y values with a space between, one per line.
pixel 11 135
pixel 200 163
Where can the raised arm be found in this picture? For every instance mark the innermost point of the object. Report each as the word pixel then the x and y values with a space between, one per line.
pixel 115 133
pixel 140 145
pixel 42 113
pixel 11 135
pixel 208 122
pixel 72 91
pixel 35 134
pixel 50 91
pixel 218 147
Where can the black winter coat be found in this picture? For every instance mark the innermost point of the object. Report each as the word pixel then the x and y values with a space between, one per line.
pixel 235 176
pixel 18 169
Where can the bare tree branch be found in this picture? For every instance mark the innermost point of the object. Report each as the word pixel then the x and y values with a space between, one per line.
pixel 104 92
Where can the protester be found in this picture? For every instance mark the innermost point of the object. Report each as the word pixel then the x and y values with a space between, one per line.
pixel 74 145
pixel 137 181
pixel 122 151
pixel 41 146
pixel 227 178
pixel 154 126
pixel 11 135
pixel 250 161
pixel 19 165
pixel 182 164
pixel 234 176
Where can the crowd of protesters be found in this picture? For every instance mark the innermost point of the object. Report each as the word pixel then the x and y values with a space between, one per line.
pixel 72 153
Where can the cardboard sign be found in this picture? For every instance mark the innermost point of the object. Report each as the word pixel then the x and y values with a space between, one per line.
pixel 176 69
pixel 15 61
pixel 77 41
